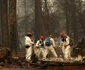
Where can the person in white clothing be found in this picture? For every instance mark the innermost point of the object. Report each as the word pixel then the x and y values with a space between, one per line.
pixel 41 51
pixel 62 43
pixel 67 53
pixel 65 45
pixel 50 45
pixel 28 46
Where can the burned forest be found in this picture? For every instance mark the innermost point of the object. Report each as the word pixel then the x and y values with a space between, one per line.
pixel 25 26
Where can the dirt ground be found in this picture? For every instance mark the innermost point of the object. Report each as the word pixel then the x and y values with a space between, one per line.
pixel 15 68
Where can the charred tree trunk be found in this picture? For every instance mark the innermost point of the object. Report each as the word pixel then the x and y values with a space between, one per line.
pixel 4 22
pixel 39 26
pixel 67 16
pixel 0 25
pixel 74 23
pixel 13 26
pixel 67 23
pixel 47 25
pixel 81 17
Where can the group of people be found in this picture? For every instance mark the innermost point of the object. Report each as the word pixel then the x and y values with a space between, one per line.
pixel 46 46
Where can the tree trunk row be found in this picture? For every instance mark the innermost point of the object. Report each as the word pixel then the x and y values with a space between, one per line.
pixel 8 24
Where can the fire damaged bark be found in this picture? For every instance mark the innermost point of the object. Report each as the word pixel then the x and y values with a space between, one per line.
pixel 13 26
pixel 74 22
pixel 46 18
pixel 39 26
pixel 4 23
pixel 0 25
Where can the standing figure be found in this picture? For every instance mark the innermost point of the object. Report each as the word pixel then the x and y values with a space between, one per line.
pixel 28 46
pixel 62 43
pixel 41 51
pixel 65 44
pixel 50 45
pixel 67 53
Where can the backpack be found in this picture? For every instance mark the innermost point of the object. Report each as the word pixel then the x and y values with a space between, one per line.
pixel 48 42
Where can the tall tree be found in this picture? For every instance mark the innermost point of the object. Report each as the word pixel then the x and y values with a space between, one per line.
pixel 81 17
pixel 4 22
pixel 66 8
pixel 74 22
pixel 0 25
pixel 39 26
pixel 46 18
pixel 13 26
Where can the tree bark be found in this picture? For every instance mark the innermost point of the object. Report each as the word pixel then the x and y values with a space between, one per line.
pixel 67 16
pixel 4 23
pixel 74 23
pixel 0 25
pixel 39 26
pixel 13 26
pixel 47 25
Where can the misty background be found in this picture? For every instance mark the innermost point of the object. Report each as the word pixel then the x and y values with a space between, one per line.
pixel 41 17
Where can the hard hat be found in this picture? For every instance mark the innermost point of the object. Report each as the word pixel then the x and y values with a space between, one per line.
pixel 64 35
pixel 42 37
pixel 61 34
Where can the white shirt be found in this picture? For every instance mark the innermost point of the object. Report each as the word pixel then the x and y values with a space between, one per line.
pixel 38 43
pixel 53 42
pixel 67 40
pixel 28 41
